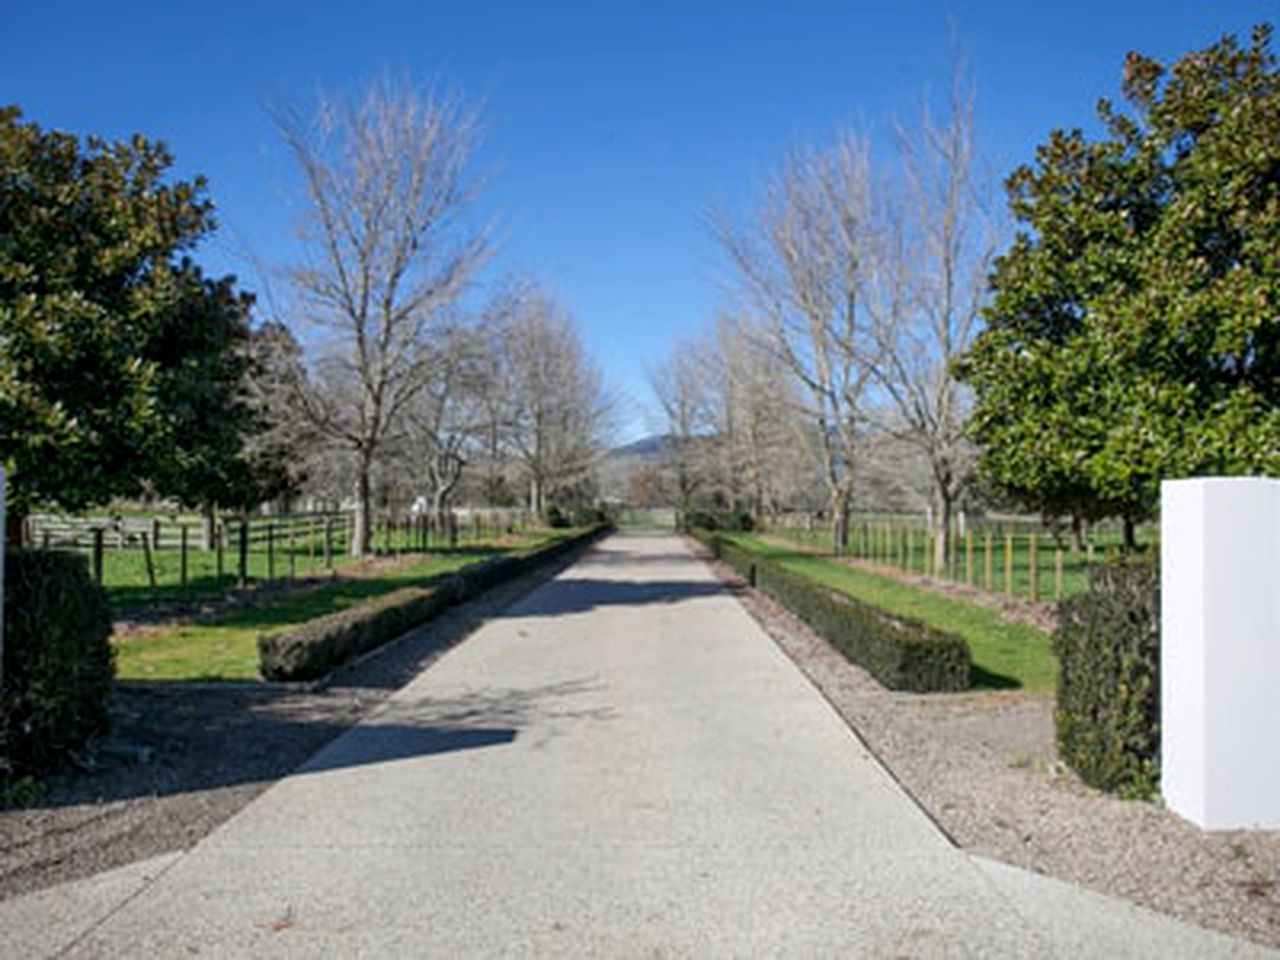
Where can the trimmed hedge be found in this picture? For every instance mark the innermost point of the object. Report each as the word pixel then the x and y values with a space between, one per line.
pixel 900 653
pixel 1108 648
pixel 58 664
pixel 312 649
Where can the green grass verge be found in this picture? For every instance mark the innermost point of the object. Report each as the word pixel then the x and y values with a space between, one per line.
pixel 226 648
pixel 1005 655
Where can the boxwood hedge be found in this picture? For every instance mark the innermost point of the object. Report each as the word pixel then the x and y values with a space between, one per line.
pixel 900 653
pixel 57 660
pixel 1108 647
pixel 312 649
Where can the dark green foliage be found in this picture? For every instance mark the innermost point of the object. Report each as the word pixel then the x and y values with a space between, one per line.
pixel 317 646
pixel 1108 647
pixel 312 649
pixel 734 521
pixel 1132 333
pixel 556 518
pixel 902 654
pixel 57 661
pixel 121 362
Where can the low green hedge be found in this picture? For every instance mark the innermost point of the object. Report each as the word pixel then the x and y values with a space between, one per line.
pixel 57 661
pixel 314 648
pixel 1108 646
pixel 900 653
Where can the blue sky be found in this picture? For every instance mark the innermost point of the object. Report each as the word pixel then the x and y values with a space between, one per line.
pixel 610 128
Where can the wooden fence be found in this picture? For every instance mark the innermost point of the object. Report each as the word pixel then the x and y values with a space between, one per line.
pixel 175 550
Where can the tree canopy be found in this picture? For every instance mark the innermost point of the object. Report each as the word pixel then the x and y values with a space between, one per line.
pixel 1134 330
pixel 117 362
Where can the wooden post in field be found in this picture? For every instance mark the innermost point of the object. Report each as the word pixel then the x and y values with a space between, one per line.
pixel 97 555
pixel 1008 565
pixel 150 561
pixel 293 560
pixel 219 545
pixel 386 536
pixel 155 533
pixel 1033 565
pixel 328 542
pixel 244 552
pixel 987 577
pixel 968 557
pixel 1057 574
pixel 271 551
pixel 182 550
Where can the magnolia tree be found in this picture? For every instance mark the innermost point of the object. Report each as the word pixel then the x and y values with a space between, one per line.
pixel 1133 334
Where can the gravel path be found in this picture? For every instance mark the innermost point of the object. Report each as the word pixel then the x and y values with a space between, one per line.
pixel 983 765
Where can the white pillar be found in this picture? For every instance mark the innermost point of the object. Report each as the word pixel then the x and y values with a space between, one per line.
pixel 3 544
pixel 1220 651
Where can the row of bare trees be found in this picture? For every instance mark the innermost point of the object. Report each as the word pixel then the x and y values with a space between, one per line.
pixel 399 388
pixel 854 289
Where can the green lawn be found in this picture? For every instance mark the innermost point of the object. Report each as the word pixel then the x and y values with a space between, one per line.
pixel 226 648
pixel 1005 655
pixel 903 546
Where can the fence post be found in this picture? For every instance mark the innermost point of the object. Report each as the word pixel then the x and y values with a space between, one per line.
pixel 1057 574
pixel 1008 565
pixel 987 572
pixel 155 533
pixel 293 560
pixel 328 542
pixel 182 560
pixel 97 555
pixel 146 553
pixel 271 551
pixel 968 557
pixel 244 551
pixel 219 546
pixel 1033 565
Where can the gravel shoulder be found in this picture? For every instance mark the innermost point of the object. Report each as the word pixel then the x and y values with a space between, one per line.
pixel 984 767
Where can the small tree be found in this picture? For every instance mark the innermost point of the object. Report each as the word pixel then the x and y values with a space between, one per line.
pixel 387 182
pixel 1134 334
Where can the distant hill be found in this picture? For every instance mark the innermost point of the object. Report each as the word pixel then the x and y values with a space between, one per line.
pixel 646 448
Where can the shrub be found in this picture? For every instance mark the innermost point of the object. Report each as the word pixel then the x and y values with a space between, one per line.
pixel 900 653
pixel 1108 648
pixel 732 521
pixel 314 648
pixel 57 660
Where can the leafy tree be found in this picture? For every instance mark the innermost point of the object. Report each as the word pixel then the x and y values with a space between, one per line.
pixel 105 337
pixel 1134 333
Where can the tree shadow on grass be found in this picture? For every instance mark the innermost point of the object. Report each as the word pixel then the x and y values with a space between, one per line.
pixel 980 678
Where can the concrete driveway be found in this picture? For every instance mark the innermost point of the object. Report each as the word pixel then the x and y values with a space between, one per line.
pixel 622 765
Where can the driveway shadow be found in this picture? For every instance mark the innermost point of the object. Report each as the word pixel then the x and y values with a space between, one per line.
pixel 582 595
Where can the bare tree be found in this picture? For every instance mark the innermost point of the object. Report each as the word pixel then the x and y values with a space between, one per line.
pixel 555 409
pixel 932 259
pixel 387 183
pixel 682 386
pixel 802 265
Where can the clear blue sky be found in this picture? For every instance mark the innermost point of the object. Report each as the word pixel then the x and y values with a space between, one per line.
pixel 610 126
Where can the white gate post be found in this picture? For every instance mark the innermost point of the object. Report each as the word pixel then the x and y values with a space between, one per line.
pixel 1220 650
pixel 3 544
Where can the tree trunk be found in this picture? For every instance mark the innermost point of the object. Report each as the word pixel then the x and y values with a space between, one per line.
pixel 840 523
pixel 362 536
pixel 208 528
pixel 1130 537
pixel 942 542
pixel 1077 535
pixel 14 520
